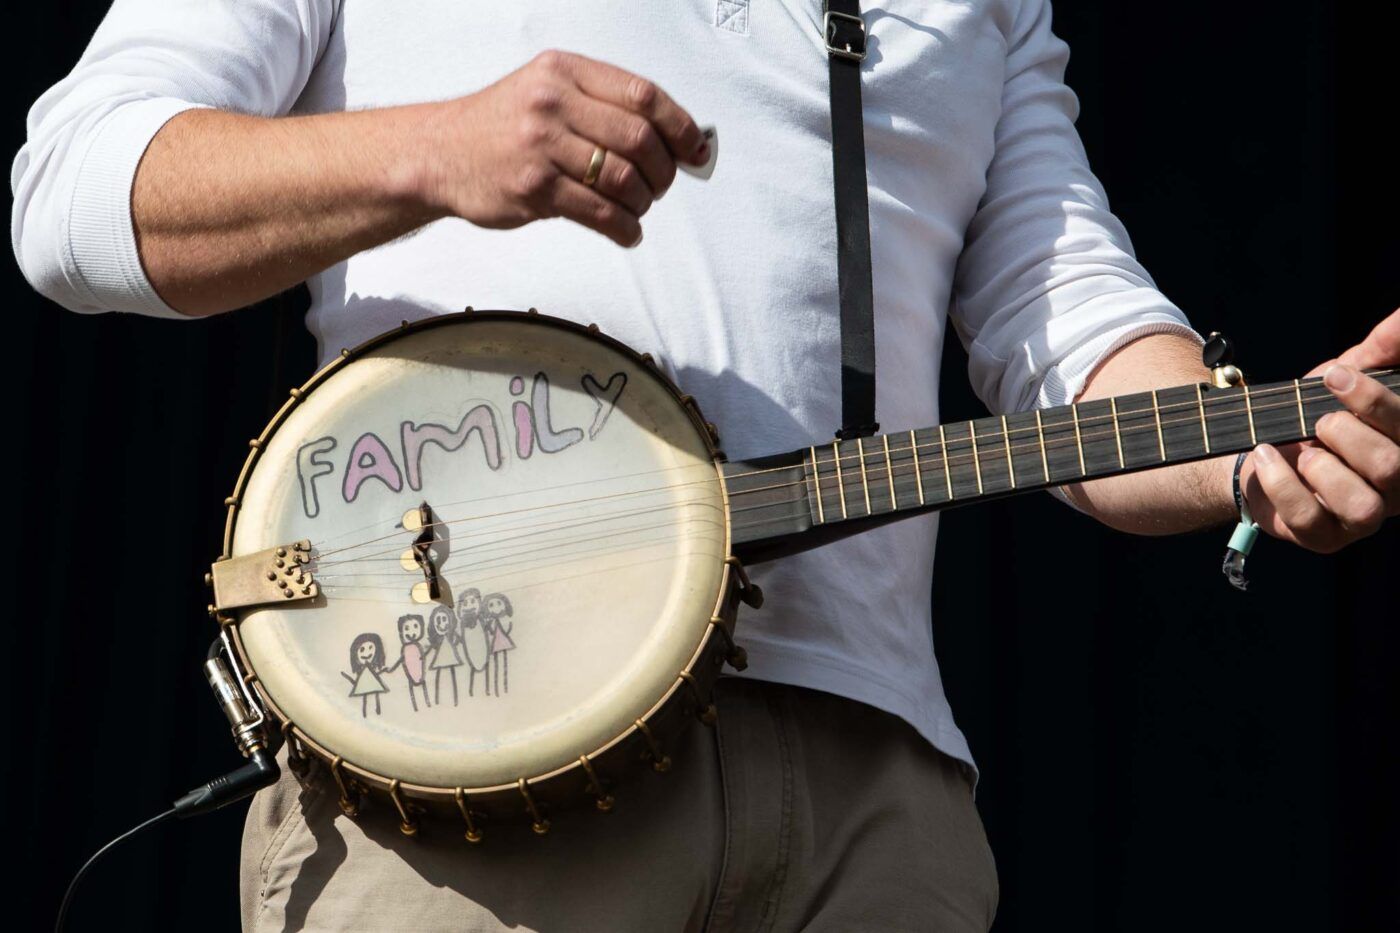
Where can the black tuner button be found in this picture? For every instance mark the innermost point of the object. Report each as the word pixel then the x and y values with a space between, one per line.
pixel 1218 351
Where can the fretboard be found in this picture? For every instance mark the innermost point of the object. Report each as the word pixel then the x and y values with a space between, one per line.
pixel 846 486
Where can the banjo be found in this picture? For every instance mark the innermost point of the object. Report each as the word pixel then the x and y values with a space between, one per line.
pixel 488 565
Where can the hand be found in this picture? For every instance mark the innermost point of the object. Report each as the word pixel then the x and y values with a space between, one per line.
pixel 1327 493
pixel 518 150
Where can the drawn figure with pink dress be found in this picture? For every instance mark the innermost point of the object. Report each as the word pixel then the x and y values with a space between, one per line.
pixel 366 664
pixel 472 638
pixel 444 656
pixel 411 656
pixel 497 608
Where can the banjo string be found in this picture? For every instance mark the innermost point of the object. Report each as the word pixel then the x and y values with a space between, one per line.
pixel 543 547
pixel 493 570
pixel 395 595
pixel 877 470
pixel 517 551
pixel 396 557
pixel 564 523
pixel 954 444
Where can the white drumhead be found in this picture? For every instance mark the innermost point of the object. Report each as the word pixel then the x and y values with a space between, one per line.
pixel 585 544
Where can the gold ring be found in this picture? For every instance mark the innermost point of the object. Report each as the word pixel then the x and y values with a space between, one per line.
pixel 595 166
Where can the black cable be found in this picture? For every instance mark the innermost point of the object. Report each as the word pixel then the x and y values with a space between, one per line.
pixel 259 771
pixel 73 885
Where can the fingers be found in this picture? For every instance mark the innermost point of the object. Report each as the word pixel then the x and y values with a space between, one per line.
pixel 626 134
pixel 1356 507
pixel 1381 346
pixel 619 179
pixel 623 89
pixel 1294 506
pixel 1365 450
pixel 1368 399
pixel 583 205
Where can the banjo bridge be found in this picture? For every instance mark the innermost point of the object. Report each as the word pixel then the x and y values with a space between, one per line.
pixel 420 556
pixel 276 575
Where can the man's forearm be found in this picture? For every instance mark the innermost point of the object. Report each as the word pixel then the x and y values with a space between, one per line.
pixel 1168 500
pixel 230 209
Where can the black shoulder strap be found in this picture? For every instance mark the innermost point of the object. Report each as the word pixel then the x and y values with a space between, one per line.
pixel 844 32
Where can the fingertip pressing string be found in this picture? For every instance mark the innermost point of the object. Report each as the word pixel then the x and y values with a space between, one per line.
pixel 1242 539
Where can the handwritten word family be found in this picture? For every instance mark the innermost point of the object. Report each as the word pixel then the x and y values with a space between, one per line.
pixel 370 458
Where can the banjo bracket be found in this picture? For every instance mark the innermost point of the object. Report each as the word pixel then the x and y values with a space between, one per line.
pixel 276 575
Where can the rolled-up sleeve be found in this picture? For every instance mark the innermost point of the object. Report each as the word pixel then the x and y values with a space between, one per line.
pixel 71 225
pixel 1047 285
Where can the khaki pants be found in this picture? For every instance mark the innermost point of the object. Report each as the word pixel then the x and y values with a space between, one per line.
pixel 798 811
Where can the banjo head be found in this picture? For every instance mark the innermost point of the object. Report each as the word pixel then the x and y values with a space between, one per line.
pixel 576 535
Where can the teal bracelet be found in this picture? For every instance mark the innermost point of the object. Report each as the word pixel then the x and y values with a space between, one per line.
pixel 1242 538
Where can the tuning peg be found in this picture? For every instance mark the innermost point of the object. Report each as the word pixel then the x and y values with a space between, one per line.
pixel 1218 355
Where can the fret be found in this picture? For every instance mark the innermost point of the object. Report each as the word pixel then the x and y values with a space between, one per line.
pixel 864 480
pixel 1249 412
pixel 1140 441
pixel 960 455
pixel 901 485
pixel 1117 434
pixel 1318 403
pixel 976 461
pixel 840 481
pixel 1302 420
pixel 1040 436
pixel 1182 434
pixel 1021 445
pixel 1157 416
pixel 1078 441
pixel 1229 419
pixel 1060 446
pixel 927 444
pixel 918 470
pixel 1275 411
pixel 1098 437
pixel 889 472
pixel 908 484
pixel 817 486
pixel 1201 406
pixel 994 470
pixel 947 472
pixel 1010 464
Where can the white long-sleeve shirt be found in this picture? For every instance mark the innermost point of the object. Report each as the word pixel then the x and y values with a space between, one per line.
pixel 983 211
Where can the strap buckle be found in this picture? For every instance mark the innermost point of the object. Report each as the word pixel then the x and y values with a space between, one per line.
pixel 845 35
pixel 857 431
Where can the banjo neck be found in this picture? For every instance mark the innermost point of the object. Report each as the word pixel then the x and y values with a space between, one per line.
pixel 791 502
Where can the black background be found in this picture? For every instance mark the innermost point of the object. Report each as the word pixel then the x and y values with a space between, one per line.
pixel 1159 752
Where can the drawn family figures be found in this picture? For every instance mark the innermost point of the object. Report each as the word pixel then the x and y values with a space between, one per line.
pixel 445 655
pixel 473 638
pixel 366 664
pixel 478 635
pixel 411 657
pixel 498 619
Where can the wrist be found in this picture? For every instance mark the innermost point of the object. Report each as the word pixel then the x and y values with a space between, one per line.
pixel 1246 474
pixel 1220 486
pixel 411 177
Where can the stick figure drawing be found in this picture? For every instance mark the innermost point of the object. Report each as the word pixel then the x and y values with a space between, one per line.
pixel 497 608
pixel 411 654
pixel 445 655
pixel 472 635
pixel 366 664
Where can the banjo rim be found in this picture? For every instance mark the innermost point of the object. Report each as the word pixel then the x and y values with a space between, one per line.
pixel 687 698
